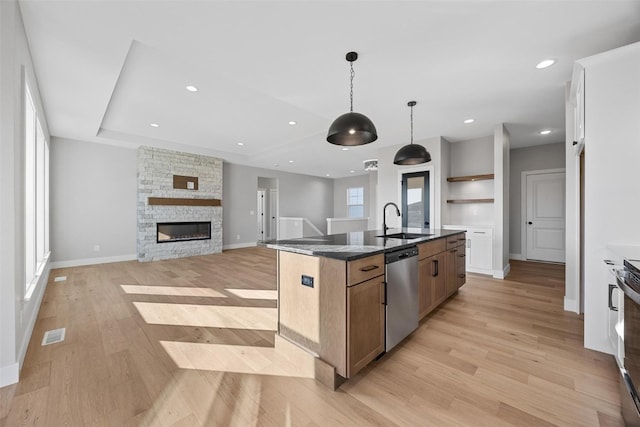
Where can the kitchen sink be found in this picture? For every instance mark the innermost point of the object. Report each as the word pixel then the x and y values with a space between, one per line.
pixel 405 236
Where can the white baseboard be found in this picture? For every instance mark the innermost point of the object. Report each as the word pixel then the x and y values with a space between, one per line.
pixel 518 257
pixel 239 246
pixel 9 374
pixel 501 274
pixel 571 305
pixel 92 261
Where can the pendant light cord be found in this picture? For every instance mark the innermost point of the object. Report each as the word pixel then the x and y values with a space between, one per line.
pixel 351 93
pixel 412 124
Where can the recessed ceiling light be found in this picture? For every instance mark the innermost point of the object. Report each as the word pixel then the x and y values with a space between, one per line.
pixel 546 63
pixel 290 161
pixel 545 132
pixel 154 125
pixel 352 171
pixel 345 149
pixel 240 143
pixel 292 123
pixel 327 175
pixel 469 121
pixel 191 88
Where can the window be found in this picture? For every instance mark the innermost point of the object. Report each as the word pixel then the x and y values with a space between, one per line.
pixel 36 194
pixel 355 202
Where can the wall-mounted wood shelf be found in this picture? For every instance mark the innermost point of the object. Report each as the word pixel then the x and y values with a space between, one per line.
pixel 471 177
pixel 470 201
pixel 170 201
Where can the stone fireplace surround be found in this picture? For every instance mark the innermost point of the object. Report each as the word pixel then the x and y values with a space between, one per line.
pixel 156 168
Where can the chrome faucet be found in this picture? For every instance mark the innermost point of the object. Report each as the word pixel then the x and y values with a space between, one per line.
pixel 384 216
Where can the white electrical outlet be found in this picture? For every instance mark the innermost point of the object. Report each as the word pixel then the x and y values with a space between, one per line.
pixel 96 248
pixel 190 185
pixel 238 237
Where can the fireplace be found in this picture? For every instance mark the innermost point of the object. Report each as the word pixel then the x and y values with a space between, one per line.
pixel 183 231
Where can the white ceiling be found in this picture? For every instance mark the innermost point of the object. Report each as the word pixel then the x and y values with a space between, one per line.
pixel 107 69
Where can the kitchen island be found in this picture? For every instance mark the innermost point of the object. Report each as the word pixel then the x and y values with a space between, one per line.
pixel 332 292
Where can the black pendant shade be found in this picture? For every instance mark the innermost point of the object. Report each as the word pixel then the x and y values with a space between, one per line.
pixel 412 154
pixel 352 128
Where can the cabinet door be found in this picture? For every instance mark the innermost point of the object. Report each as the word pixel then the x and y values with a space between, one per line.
pixel 425 291
pixel 480 252
pixel 365 323
pixel 451 275
pixel 438 277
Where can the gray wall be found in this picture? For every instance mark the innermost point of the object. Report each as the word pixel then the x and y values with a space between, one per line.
pixel 299 196
pixel 549 156
pixel 471 157
pixel 93 200
pixel 340 186
pixel 17 313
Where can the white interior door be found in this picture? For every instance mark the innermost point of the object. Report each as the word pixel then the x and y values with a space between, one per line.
pixel 545 221
pixel 261 218
pixel 273 213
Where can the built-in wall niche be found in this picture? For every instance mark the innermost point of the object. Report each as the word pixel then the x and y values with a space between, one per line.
pixel 181 182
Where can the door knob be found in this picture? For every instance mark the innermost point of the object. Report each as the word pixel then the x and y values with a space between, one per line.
pixel 530 223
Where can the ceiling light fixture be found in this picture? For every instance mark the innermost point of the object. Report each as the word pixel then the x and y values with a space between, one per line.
pixel 292 123
pixel 191 88
pixel 345 149
pixel 469 121
pixel 240 143
pixel 352 171
pixel 154 125
pixel 327 175
pixel 545 132
pixel 412 154
pixel 545 64
pixel 290 161
pixel 352 128
pixel 371 165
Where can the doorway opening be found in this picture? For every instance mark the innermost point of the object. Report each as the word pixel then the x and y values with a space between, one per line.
pixel 416 200
pixel 267 209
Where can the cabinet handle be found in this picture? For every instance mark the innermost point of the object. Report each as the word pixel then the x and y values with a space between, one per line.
pixel 369 268
pixel 611 307
pixel 462 238
pixel 434 268
pixel 469 243
pixel 461 276
pixel 383 293
pixel 479 232
pixel 461 255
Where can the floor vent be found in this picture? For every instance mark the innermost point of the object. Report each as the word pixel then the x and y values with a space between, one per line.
pixel 60 279
pixel 53 336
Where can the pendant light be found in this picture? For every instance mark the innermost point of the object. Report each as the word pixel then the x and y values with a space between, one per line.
pixel 412 154
pixel 352 128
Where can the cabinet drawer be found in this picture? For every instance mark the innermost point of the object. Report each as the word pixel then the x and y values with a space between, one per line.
pixel 456 240
pixel 364 269
pixel 428 249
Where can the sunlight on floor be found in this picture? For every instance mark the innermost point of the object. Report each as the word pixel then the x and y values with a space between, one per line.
pixel 179 291
pixel 254 293
pixel 239 359
pixel 210 316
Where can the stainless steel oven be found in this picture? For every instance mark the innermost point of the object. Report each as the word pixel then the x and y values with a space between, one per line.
pixel 629 281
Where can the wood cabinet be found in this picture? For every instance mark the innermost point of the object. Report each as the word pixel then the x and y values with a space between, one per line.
pixel 441 271
pixel 365 323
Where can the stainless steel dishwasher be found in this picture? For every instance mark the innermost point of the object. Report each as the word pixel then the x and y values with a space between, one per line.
pixel 401 275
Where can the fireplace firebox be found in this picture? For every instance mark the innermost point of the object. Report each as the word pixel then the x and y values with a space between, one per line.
pixel 183 231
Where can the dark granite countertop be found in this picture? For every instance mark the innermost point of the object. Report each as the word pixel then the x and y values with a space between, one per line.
pixel 356 244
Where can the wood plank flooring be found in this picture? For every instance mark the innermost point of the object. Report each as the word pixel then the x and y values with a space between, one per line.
pixel 189 342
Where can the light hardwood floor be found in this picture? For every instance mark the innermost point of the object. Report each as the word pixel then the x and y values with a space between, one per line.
pixel 190 342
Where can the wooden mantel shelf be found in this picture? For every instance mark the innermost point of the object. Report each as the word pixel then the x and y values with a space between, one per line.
pixel 471 177
pixel 171 201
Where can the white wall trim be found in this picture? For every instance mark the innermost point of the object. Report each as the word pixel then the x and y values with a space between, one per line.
pixel 239 246
pixel 523 204
pixel 9 374
pixel 93 261
pixel 501 274
pixel 518 257
pixel 571 305
pixel 38 293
